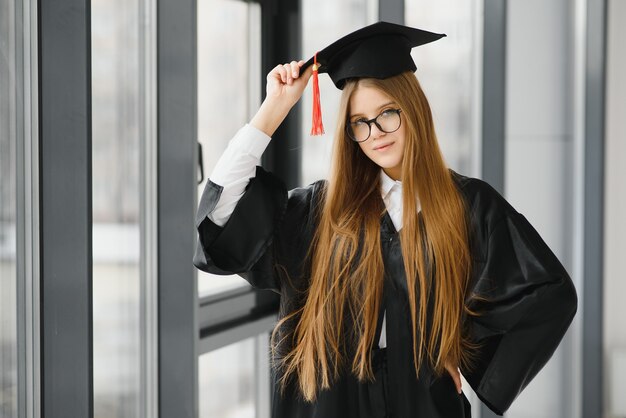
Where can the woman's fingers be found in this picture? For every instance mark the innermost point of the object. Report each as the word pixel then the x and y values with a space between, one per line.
pixel 292 70
pixel 287 82
pixel 287 72
pixel 295 69
pixel 275 75
pixel 283 73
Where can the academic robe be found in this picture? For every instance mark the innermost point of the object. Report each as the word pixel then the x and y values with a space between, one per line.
pixel 528 299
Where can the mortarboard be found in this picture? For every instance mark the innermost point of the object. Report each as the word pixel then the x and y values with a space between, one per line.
pixel 380 50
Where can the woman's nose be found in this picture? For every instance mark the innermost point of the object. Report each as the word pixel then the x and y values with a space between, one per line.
pixel 375 131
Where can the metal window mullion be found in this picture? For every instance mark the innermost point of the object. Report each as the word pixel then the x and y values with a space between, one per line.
pixel 149 392
pixel 28 216
pixel 176 197
pixel 493 114
pixel 477 86
pixel 278 17
pixel 263 393
pixel 16 44
pixel 233 333
pixel 391 11
pixel 64 38
pixel 593 209
pixel 494 93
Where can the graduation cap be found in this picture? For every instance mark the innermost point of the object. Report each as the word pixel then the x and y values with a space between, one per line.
pixel 380 50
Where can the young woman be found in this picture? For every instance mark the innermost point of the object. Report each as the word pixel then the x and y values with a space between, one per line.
pixel 395 271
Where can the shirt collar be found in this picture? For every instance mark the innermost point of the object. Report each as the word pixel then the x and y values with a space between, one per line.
pixel 387 183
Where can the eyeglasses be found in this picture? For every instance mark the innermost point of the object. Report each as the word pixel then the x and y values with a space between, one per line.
pixel 387 121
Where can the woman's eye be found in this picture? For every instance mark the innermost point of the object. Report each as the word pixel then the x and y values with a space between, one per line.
pixel 359 122
pixel 387 113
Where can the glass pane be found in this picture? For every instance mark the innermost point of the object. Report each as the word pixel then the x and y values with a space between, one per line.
pixel 227 381
pixel 8 202
pixel 116 102
pixel 447 70
pixel 229 45
pixel 323 22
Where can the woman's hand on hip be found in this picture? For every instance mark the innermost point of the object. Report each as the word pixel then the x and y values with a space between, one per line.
pixel 285 84
pixel 456 376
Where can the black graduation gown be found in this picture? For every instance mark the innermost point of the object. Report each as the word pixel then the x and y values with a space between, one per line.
pixel 530 299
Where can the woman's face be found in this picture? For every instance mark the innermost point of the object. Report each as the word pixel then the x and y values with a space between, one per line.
pixel 385 149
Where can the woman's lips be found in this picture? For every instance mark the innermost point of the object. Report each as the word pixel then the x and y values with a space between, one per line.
pixel 383 147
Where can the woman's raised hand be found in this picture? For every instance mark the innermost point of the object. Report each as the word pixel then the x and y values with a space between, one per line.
pixel 285 82
pixel 285 85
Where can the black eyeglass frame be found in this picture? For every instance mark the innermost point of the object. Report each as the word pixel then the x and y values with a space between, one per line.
pixel 369 125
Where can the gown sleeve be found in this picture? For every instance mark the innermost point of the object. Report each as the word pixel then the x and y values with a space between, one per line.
pixel 243 245
pixel 269 231
pixel 523 297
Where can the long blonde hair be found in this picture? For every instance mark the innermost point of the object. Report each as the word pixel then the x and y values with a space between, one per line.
pixel 346 261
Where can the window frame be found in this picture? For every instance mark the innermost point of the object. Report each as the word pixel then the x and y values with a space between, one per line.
pixel 240 313
pixel 64 53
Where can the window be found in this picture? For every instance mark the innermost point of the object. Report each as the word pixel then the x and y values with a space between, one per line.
pixel 229 68
pixel 119 133
pixel 449 74
pixel 10 117
pixel 231 380
pixel 323 22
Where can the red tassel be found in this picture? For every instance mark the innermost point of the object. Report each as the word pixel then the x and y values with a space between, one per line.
pixel 318 125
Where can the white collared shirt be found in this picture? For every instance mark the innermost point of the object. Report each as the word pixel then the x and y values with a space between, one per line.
pixel 391 191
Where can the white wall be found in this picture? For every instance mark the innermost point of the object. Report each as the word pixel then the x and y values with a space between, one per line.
pixel 615 198
pixel 539 152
